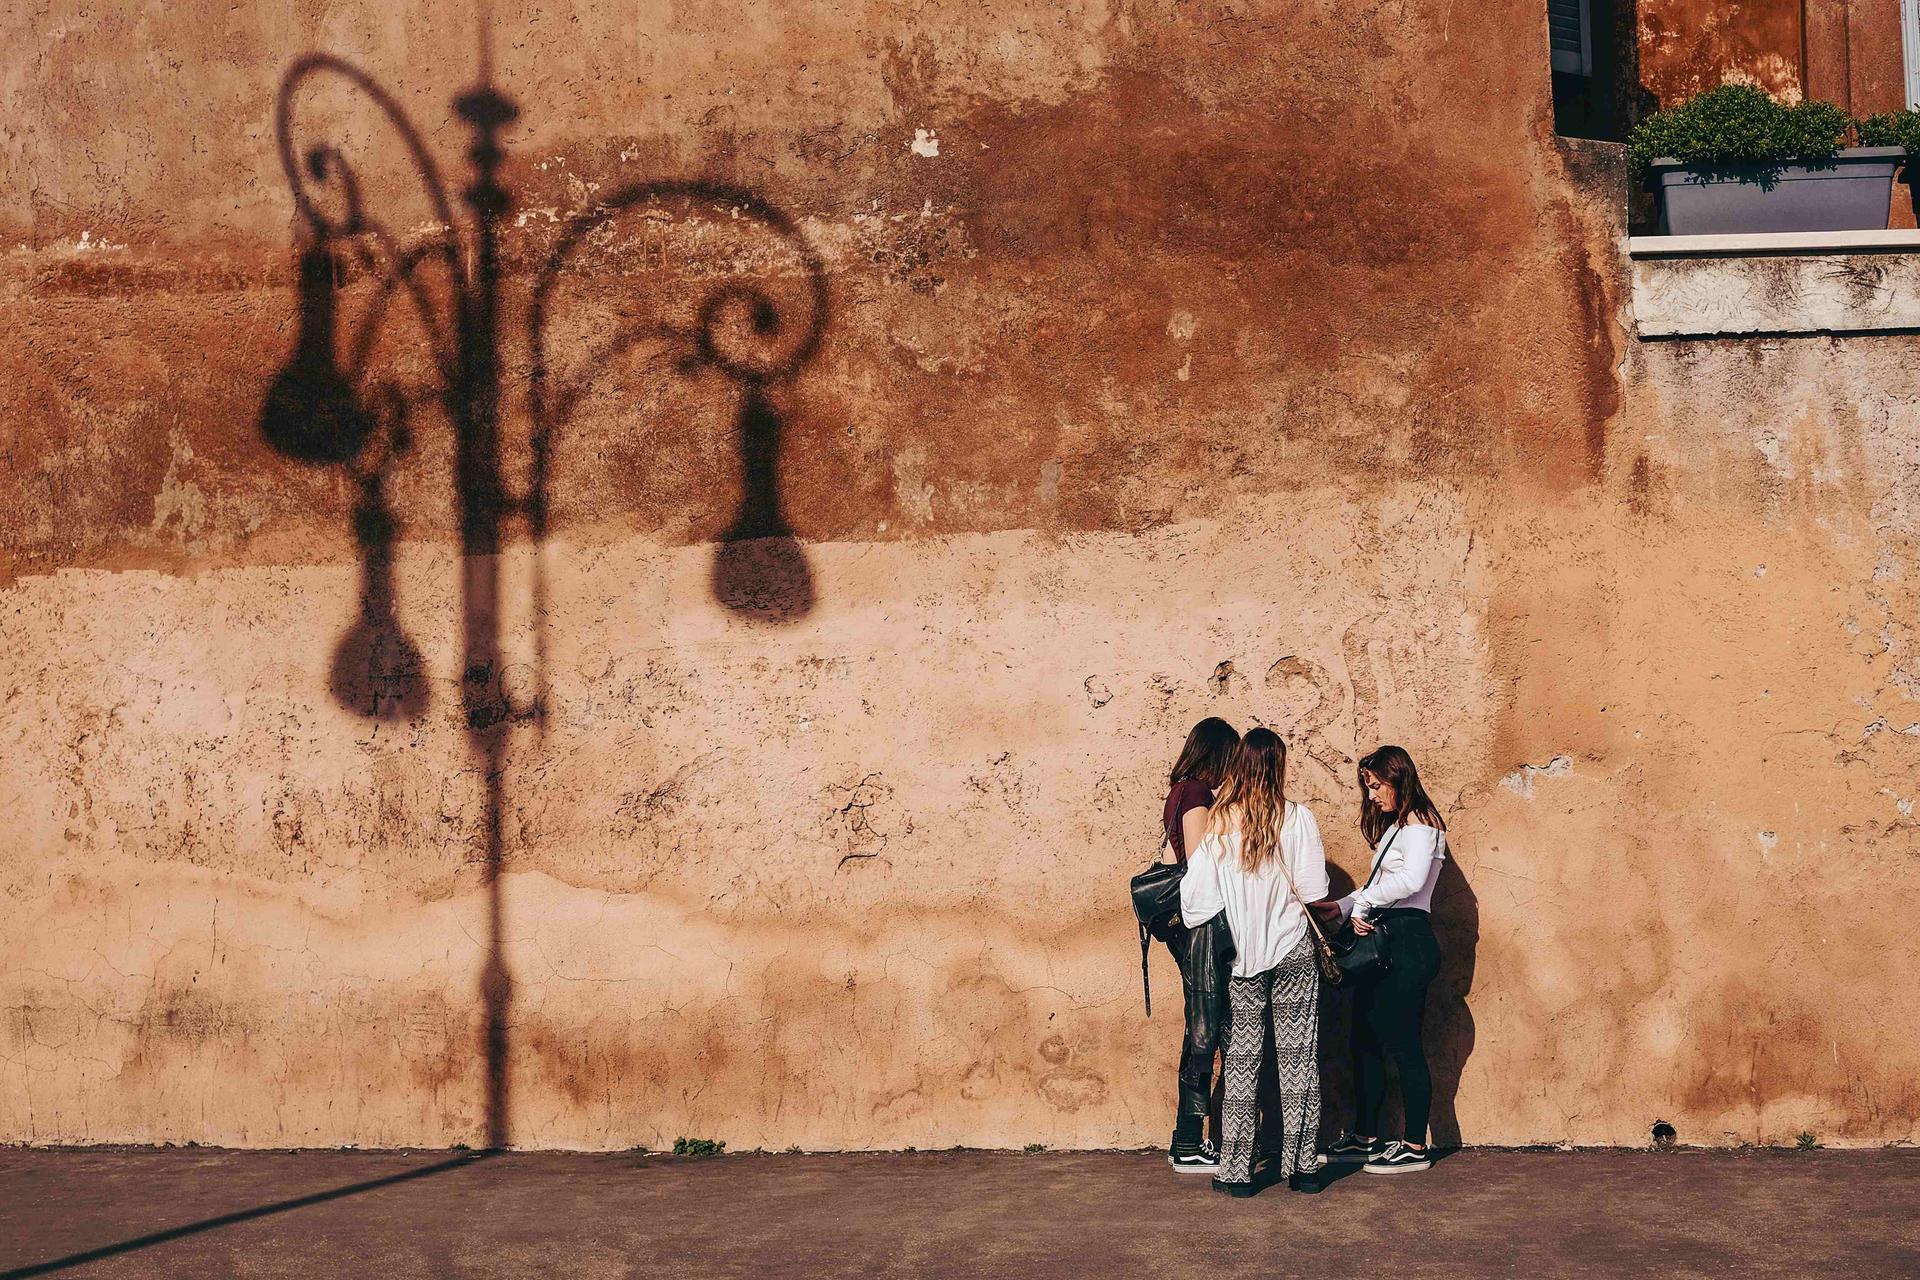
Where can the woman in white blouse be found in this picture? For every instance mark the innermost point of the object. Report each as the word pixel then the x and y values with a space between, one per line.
pixel 1410 843
pixel 1260 861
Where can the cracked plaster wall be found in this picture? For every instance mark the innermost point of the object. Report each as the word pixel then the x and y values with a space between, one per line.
pixel 1265 361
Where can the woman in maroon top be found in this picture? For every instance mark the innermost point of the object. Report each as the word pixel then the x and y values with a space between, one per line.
pixel 1202 953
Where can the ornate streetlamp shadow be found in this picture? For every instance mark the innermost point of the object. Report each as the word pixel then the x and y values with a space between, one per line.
pixel 741 332
pixel 321 410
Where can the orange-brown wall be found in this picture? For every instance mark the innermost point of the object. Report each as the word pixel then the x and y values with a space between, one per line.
pixel 1690 46
pixel 1842 51
pixel 1263 360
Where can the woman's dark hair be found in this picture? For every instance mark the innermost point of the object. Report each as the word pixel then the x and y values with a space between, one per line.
pixel 1204 758
pixel 1393 766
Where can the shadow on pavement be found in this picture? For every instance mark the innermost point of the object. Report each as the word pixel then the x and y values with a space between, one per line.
pixel 242 1215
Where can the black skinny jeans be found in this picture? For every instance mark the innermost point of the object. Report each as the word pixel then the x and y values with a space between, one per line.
pixel 1387 1013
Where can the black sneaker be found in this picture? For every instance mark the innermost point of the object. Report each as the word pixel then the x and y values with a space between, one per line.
pixel 1349 1148
pixel 1199 1158
pixel 1398 1158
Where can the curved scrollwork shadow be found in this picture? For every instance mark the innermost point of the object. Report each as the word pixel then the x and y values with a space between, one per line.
pixel 760 570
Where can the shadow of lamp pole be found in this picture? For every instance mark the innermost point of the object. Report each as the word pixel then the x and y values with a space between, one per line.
pixel 321 410
pixel 314 412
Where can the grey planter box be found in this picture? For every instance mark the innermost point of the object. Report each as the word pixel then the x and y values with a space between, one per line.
pixel 1850 192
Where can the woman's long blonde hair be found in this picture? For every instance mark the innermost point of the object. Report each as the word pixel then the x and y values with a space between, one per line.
pixel 1253 797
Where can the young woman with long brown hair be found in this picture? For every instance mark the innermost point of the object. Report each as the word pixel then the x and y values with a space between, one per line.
pixel 1259 863
pixel 1409 838
pixel 1198 951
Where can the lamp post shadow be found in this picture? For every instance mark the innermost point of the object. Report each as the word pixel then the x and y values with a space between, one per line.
pixel 322 410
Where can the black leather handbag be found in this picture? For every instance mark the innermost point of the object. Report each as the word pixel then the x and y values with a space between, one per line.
pixel 1156 908
pixel 1365 955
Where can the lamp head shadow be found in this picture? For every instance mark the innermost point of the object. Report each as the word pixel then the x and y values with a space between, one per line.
pixel 377 670
pixel 311 412
pixel 760 571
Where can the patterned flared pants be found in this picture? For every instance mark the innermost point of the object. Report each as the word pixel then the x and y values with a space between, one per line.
pixel 1289 993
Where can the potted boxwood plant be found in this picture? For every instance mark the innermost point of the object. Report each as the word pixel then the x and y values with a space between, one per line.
pixel 1896 129
pixel 1733 160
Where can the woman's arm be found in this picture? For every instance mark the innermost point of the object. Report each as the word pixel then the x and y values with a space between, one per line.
pixel 1310 859
pixel 1200 899
pixel 1407 863
pixel 1193 825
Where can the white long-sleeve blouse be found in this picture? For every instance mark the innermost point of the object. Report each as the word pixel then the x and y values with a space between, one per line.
pixel 1413 854
pixel 1266 920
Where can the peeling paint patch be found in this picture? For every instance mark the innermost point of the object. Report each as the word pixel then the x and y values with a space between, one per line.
pixel 1050 474
pixel 1521 780
pixel 925 143
pixel 179 501
pixel 910 486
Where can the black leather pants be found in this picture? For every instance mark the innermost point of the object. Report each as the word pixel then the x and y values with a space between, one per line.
pixel 1205 957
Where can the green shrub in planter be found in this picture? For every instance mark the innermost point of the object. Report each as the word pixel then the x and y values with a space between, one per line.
pixel 1737 125
pixel 1892 129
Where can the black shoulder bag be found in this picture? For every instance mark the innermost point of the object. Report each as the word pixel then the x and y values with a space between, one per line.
pixel 1156 909
pixel 1365 955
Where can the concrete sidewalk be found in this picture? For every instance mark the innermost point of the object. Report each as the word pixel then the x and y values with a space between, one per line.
pixel 196 1212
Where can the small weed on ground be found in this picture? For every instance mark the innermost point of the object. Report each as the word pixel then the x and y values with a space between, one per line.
pixel 1033 1148
pixel 698 1148
pixel 1804 1141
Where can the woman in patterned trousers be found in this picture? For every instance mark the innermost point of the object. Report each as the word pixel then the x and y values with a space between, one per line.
pixel 1258 863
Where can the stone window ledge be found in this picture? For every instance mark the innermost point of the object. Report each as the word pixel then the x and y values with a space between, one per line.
pixel 1809 282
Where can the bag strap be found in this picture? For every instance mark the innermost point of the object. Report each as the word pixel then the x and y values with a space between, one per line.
pixel 1381 861
pixel 1146 939
pixel 1146 987
pixel 1280 855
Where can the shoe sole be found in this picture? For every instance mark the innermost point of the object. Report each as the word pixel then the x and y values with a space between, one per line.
pixel 1238 1190
pixel 1397 1168
pixel 1350 1157
pixel 1195 1168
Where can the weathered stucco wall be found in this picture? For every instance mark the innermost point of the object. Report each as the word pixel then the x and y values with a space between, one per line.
pixel 1690 46
pixel 1257 360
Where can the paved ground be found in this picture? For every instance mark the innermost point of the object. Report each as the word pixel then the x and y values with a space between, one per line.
pixel 119 1212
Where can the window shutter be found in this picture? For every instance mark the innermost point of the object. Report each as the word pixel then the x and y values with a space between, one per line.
pixel 1570 35
pixel 1910 48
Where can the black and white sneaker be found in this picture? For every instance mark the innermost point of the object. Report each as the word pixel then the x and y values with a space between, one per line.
pixel 1398 1158
pixel 1349 1148
pixel 1200 1158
